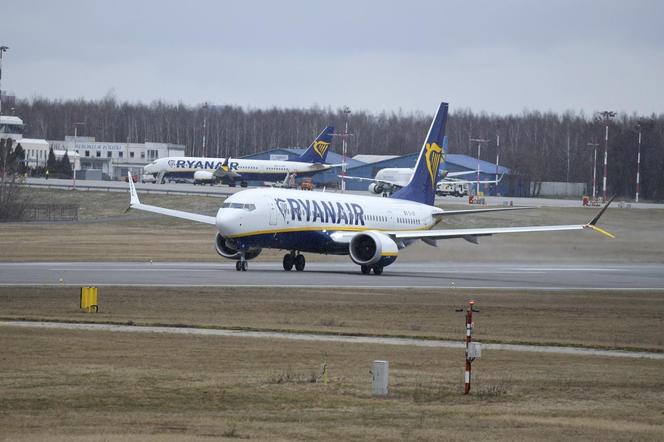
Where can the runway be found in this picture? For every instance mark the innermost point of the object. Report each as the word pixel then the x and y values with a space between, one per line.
pixel 320 274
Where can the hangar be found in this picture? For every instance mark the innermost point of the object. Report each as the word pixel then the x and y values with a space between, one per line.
pixel 367 166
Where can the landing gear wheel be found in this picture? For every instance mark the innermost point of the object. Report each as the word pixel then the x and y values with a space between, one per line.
pixel 365 270
pixel 238 265
pixel 300 262
pixel 243 184
pixel 288 262
pixel 378 270
pixel 244 265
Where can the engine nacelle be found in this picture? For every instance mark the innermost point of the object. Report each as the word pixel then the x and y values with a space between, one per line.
pixel 373 249
pixel 225 248
pixel 203 176
pixel 376 188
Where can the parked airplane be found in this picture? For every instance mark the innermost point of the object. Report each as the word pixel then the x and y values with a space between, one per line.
pixel 371 230
pixel 211 170
pixel 390 179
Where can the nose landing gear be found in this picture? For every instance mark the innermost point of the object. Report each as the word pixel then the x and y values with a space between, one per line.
pixel 241 265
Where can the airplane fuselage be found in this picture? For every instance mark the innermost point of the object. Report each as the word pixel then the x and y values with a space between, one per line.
pixel 246 169
pixel 317 222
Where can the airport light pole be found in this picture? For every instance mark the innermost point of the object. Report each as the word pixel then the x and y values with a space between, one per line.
pixel 479 142
pixel 205 115
pixel 605 117
pixel 497 158
pixel 73 168
pixel 638 164
pixel 344 148
pixel 2 50
pixel 594 146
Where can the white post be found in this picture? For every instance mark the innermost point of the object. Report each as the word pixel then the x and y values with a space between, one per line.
pixel 380 372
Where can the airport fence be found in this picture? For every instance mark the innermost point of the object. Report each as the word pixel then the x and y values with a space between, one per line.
pixel 51 212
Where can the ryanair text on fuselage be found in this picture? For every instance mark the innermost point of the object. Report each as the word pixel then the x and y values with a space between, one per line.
pixel 322 211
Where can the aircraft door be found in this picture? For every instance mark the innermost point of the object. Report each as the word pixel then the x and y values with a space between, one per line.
pixel 273 214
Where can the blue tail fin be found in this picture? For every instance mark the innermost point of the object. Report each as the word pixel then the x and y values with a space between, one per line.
pixel 422 185
pixel 317 151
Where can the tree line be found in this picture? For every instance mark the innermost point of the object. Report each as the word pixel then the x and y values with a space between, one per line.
pixel 542 146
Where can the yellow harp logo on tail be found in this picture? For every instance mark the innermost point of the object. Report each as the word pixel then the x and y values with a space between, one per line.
pixel 433 154
pixel 320 147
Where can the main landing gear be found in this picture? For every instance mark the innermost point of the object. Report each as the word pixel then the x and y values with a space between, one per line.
pixel 294 259
pixel 378 270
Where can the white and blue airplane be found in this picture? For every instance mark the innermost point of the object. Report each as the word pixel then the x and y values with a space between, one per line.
pixel 211 170
pixel 390 179
pixel 371 230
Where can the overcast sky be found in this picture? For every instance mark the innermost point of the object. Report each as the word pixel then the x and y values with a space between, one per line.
pixel 495 56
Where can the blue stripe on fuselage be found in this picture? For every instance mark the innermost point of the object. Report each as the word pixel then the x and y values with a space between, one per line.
pixel 304 241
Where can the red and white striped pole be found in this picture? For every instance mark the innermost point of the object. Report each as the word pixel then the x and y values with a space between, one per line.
pixel 469 338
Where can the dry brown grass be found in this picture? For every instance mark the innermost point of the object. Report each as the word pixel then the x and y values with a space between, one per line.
pixel 601 319
pixel 69 385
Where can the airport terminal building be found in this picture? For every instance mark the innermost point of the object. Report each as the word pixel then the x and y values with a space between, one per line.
pixel 112 159
pixel 115 159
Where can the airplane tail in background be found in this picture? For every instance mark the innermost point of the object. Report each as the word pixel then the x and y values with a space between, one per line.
pixel 317 151
pixel 422 185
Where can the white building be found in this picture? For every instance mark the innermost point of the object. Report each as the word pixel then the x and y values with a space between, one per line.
pixel 36 153
pixel 116 159
pixel 11 127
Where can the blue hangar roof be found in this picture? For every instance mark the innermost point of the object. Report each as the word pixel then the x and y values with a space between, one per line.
pixel 453 163
pixel 471 163
pixel 294 152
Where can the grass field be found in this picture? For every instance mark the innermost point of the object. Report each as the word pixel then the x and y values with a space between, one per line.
pixel 60 385
pixel 630 320
pixel 105 233
pixel 68 385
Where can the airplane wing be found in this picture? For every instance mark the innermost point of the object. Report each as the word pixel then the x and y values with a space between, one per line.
pixel 466 211
pixel 360 178
pixel 472 234
pixel 136 204
pixel 467 172
pixel 370 180
pixel 449 178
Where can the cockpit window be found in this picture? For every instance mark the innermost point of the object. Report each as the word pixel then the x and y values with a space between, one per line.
pixel 247 207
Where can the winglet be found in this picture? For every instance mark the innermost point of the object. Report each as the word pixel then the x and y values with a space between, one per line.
pixel 593 222
pixel 132 191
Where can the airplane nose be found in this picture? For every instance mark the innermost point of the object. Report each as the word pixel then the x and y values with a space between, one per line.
pixel 228 221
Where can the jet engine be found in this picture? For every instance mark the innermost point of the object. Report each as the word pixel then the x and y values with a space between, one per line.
pixel 373 249
pixel 376 188
pixel 203 176
pixel 225 248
